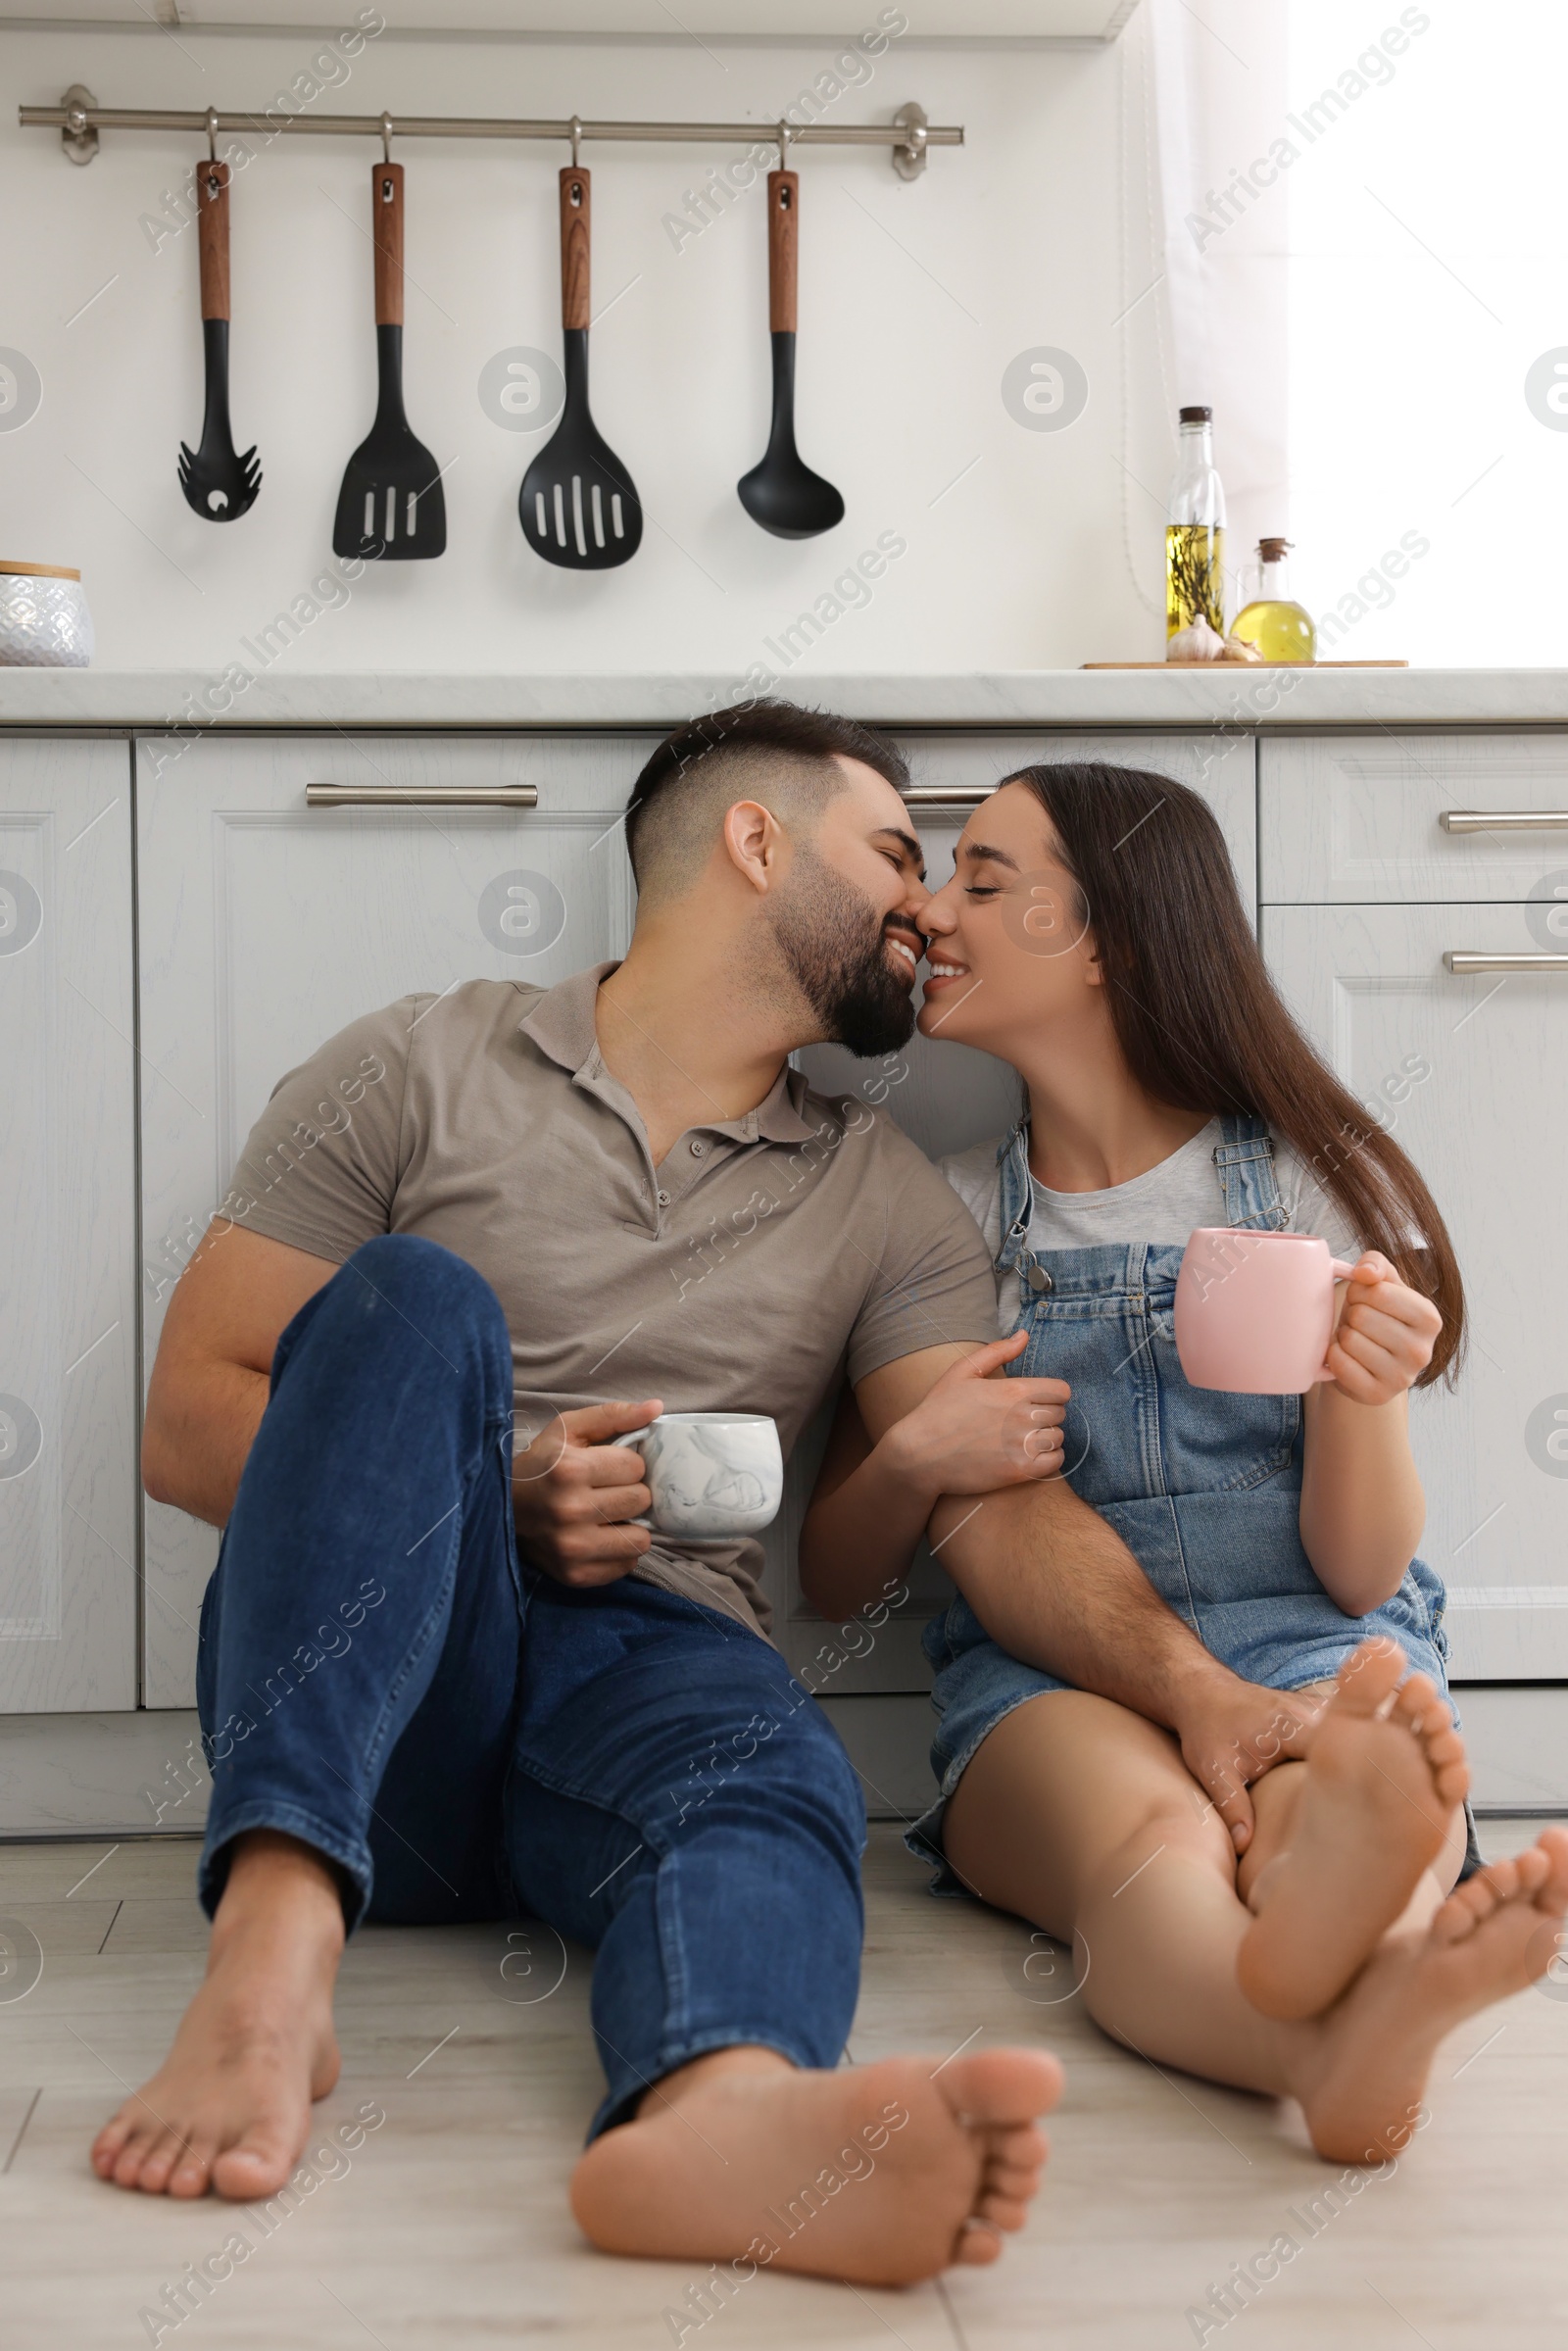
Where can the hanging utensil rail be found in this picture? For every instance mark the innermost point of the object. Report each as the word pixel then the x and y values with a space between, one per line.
pixel 908 135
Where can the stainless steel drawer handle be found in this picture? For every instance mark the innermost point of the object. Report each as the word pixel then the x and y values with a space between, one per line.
pixel 1504 821
pixel 946 796
pixel 1461 960
pixel 392 796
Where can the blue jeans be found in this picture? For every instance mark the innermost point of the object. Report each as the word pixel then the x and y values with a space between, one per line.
pixel 380 1677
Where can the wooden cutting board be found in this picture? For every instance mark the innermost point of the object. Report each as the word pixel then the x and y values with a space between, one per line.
pixel 1244 665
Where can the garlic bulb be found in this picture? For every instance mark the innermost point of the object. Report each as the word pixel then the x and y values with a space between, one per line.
pixel 1198 642
pixel 1237 649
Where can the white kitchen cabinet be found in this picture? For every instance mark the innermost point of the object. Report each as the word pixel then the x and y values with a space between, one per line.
pixel 1468 1074
pixel 67 1290
pixel 1361 817
pixel 267 924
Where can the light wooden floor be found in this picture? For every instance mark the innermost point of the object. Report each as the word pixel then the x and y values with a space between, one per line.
pixel 448 2228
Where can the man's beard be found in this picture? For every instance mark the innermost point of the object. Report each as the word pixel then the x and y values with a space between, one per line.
pixel 831 937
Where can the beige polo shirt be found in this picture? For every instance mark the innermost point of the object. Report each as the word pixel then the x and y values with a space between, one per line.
pixel 765 1256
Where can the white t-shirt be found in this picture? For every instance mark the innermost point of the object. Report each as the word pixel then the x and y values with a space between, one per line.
pixel 1165 1204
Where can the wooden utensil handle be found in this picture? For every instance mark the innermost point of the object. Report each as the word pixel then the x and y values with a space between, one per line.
pixel 212 192
pixel 386 201
pixel 577 189
pixel 783 235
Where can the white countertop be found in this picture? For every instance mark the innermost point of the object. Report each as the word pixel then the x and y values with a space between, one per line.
pixel 1214 696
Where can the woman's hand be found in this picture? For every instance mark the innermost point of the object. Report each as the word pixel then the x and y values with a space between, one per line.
pixel 1385 1337
pixel 974 1434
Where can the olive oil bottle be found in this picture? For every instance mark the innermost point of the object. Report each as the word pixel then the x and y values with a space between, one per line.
pixel 1280 629
pixel 1195 533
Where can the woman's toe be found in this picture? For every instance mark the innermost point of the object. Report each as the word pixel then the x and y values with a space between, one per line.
pixel 159 2161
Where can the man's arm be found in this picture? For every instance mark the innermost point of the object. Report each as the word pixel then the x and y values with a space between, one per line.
pixel 209 1386
pixel 1055 1586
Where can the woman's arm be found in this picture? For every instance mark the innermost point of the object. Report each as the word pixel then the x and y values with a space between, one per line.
pixel 1362 1509
pixel 972 1434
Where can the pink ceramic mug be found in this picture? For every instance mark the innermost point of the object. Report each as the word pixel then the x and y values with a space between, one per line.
pixel 1255 1311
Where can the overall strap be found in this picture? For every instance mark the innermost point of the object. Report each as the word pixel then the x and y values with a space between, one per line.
pixel 1017 1196
pixel 1244 1160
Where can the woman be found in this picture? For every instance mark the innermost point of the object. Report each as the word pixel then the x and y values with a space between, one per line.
pixel 1093 936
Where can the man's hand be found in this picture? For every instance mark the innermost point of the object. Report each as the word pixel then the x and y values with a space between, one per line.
pixel 1232 1731
pixel 573 1490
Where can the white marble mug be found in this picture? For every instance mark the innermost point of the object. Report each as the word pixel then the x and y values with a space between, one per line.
pixel 710 1474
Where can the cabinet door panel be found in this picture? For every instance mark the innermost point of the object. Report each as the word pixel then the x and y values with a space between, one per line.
pixel 948 1097
pixel 68 1295
pixel 1468 1074
pixel 267 924
pixel 1350 817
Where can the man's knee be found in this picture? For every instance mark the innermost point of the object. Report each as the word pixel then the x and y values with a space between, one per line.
pixel 802 1772
pixel 403 1288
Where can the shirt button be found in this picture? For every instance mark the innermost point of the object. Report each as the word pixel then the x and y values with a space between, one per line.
pixel 698 1149
pixel 664 1199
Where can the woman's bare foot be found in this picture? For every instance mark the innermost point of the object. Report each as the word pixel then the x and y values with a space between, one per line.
pixel 883 2173
pixel 230 2106
pixel 1359 2070
pixel 1382 1781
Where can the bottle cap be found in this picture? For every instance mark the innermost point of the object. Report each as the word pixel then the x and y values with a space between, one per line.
pixel 1197 415
pixel 1272 551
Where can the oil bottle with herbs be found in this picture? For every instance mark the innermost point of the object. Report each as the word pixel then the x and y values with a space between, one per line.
pixel 1195 532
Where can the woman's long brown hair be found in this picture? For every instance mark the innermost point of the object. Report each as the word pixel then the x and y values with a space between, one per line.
pixel 1202 1024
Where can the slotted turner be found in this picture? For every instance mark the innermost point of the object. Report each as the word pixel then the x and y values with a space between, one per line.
pixel 390 507
pixel 216 484
pixel 782 493
pixel 577 505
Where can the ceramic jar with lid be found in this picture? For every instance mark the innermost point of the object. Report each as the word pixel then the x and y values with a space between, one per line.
pixel 44 620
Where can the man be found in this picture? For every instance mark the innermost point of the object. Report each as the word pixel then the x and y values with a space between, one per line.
pixel 443 1678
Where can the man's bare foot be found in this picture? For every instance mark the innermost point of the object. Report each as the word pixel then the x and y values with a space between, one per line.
pixel 1359 2070
pixel 1380 1785
pixel 230 2106
pixel 883 2173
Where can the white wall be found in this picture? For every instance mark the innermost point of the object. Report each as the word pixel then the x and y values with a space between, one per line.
pixel 1428 276
pixel 915 299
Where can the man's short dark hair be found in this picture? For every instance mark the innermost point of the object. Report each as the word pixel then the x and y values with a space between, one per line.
pixel 762 750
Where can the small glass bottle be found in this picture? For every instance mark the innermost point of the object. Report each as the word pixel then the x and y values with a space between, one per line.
pixel 1195 532
pixel 1282 630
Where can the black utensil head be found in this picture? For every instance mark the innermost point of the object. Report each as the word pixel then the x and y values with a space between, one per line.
pixel 391 508
pixel 219 485
pixel 577 505
pixel 787 498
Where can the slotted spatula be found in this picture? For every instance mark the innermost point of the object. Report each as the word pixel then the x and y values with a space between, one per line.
pixel 218 483
pixel 390 507
pixel 577 505
pixel 782 493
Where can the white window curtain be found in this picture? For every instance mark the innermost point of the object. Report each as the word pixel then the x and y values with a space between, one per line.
pixel 1210 89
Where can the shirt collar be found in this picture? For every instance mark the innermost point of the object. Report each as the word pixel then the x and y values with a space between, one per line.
pixel 561 1024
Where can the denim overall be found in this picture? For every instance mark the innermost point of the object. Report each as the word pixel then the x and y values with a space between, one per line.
pixel 1205 1488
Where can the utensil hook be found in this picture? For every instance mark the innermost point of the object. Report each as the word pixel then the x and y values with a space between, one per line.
pixel 575 128
pixel 786 131
pixel 386 138
pixel 211 134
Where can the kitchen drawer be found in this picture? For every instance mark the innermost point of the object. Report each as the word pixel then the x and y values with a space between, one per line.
pixel 1464 1070
pixel 1347 819
pixel 1220 764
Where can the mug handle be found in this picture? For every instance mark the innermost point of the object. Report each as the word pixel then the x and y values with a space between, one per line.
pixel 1342 1273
